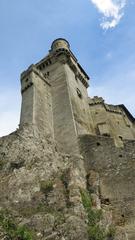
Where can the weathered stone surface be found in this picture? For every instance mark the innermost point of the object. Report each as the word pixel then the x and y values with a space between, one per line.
pixel 40 186
pixel 116 170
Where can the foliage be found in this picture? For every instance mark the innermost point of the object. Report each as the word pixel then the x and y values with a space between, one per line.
pixel 94 215
pixel 24 233
pixel 95 232
pixel 86 200
pixel 12 231
pixel 46 186
pixel 111 231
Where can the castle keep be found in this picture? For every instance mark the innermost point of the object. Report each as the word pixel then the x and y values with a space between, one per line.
pixel 68 172
pixel 55 101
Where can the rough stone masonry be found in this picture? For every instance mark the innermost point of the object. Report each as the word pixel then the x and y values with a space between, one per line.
pixel 68 172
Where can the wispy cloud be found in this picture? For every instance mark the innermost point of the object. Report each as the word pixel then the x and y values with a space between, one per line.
pixel 112 11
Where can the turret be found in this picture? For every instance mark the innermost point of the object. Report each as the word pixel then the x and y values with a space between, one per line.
pixel 60 43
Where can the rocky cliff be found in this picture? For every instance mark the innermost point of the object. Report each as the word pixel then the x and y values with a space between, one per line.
pixel 40 190
pixel 46 195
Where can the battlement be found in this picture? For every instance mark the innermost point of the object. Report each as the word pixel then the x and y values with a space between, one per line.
pixel 112 120
pixel 27 80
pixel 60 53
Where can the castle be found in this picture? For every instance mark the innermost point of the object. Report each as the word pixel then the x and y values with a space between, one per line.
pixel 55 101
pixel 71 160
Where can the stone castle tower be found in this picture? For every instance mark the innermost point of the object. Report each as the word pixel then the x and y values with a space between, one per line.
pixel 68 172
pixel 55 101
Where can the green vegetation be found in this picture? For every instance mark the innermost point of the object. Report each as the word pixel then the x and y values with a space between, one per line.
pixel 95 231
pixel 46 186
pixel 94 215
pixel 12 230
pixel 111 231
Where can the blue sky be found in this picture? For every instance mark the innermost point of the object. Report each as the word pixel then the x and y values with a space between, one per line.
pixel 101 34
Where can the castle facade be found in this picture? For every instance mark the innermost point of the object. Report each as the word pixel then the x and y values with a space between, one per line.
pixel 55 101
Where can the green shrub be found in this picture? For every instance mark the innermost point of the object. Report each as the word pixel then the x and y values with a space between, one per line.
pixel 86 200
pixel 23 233
pixel 46 186
pixel 111 231
pixel 94 216
pixel 12 231
pixel 95 232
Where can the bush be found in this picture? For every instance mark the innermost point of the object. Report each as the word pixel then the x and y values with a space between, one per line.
pixel 46 186
pixel 12 231
pixel 23 233
pixel 86 199
pixel 95 232
pixel 111 232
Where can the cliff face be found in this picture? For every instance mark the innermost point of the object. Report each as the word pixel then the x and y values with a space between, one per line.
pixel 48 195
pixel 40 190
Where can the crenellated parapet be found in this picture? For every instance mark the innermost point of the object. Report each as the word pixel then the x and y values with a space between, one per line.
pixel 95 100
pixel 112 120
pixel 60 52
pixel 27 79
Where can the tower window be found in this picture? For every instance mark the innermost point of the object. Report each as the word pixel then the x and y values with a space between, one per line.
pixel 79 93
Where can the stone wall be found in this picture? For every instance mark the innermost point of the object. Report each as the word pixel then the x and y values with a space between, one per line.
pixel 63 119
pixel 36 102
pixel 111 120
pixel 116 168
pixel 79 100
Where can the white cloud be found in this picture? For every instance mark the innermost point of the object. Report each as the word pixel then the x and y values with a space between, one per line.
pixel 112 11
